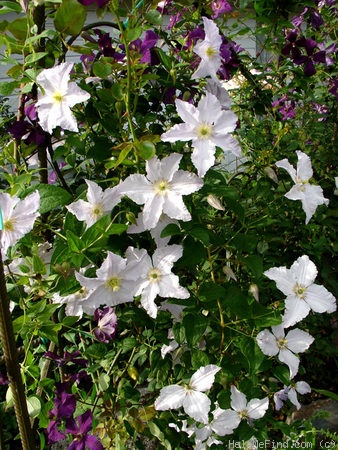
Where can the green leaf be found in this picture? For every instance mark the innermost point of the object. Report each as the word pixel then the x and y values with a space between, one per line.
pixel 35 57
pixel 155 431
pixel 33 406
pixel 252 353
pixel 237 303
pixel 102 70
pixel 133 33
pixel 52 197
pixel 6 88
pixel 210 292
pixel 9 6
pixel 70 18
pixel 154 17
pixel 18 28
pixel 74 242
pixel 146 149
pixel 104 381
pixel 125 148
pixel 326 393
pixel 170 230
pixel 195 326
pixel 96 351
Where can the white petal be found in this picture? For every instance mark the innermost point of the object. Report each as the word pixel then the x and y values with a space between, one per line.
pixel 111 266
pixel 148 299
pixel 320 299
pixel 188 112
pixel 304 168
pixel 304 271
pixel 302 387
pixel 295 310
pixel 94 192
pixel 291 360
pixel 267 343
pixel 281 275
pixel 75 94
pixel 228 143
pixel 185 183
pixel 164 169
pixel 238 399
pixel 171 397
pixel 225 421
pixel 175 208
pixel 298 341
pixel 179 132
pixel 164 257
pixel 203 156
pixel 257 408
pixel 284 164
pixel 204 377
pixel 292 396
pixel 137 187
pixel 152 211
pixel 197 405
pixel 278 331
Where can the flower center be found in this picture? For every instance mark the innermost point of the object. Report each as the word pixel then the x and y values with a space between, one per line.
pixel 161 187
pixel 300 291
pixel 113 283
pixel 58 97
pixel 281 342
pixel 9 224
pixel 210 52
pixel 97 210
pixel 243 414
pixel 204 131
pixel 154 275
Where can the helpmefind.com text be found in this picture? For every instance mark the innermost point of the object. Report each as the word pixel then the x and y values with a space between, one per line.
pixel 255 444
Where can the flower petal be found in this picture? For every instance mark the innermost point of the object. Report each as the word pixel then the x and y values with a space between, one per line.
pixel 320 300
pixel 291 360
pixel 267 343
pixel 197 405
pixel 204 377
pixel 171 397
pixel 298 341
pixel 257 408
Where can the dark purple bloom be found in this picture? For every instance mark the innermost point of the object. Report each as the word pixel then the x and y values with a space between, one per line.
pixel 67 358
pixel 316 19
pixel 174 19
pixel 298 20
pixel 64 404
pixel 220 7
pixel 106 47
pixel 144 47
pixel 334 88
pixel 285 107
pixel 291 48
pixel 87 61
pixel 193 36
pixel 31 112
pixel 80 430
pixel 52 176
pixel 322 110
pixel 100 3
pixel 328 3
pixel 311 57
pixel 53 434
pixel 106 324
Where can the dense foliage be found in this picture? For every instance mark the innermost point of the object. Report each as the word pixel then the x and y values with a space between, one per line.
pixel 169 213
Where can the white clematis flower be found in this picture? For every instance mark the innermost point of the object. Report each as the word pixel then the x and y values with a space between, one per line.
pixel 157 276
pixel 302 387
pixel 161 190
pixel 254 409
pixel 115 282
pixel 195 403
pixel 209 51
pixel 56 95
pixel 310 195
pixel 98 205
pixel 18 217
pixel 207 126
pixel 302 295
pixel 276 343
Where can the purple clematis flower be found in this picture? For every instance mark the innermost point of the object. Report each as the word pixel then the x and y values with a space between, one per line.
pixel 144 47
pixel 67 358
pixel 80 430
pixel 220 7
pixel 334 87
pixel 311 56
pixel 100 3
pixel 291 49
pixel 106 324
